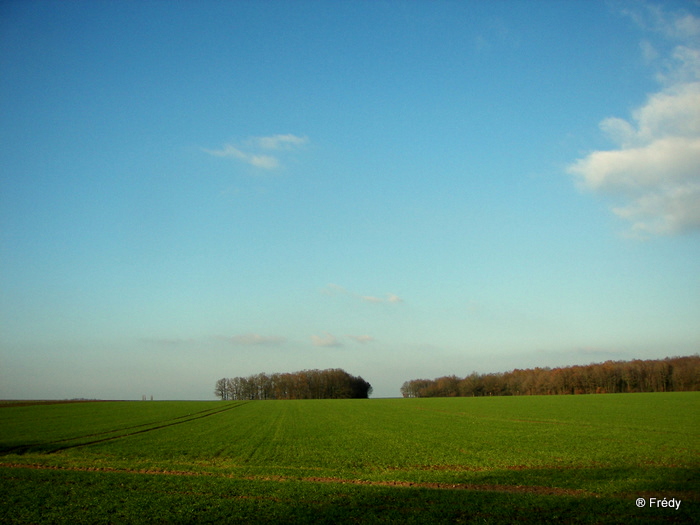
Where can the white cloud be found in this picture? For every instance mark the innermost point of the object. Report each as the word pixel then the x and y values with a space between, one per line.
pixel 326 339
pixel 683 66
pixel 654 173
pixel 662 165
pixel 252 150
pixel 255 339
pixel 674 210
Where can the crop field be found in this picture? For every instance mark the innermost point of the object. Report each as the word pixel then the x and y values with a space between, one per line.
pixel 572 459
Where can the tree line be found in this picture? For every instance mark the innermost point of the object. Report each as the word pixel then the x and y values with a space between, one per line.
pixel 333 383
pixel 673 374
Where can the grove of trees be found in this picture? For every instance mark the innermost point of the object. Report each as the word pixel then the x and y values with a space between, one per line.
pixel 673 374
pixel 333 383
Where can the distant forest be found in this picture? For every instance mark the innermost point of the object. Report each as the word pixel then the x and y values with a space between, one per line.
pixel 333 383
pixel 673 374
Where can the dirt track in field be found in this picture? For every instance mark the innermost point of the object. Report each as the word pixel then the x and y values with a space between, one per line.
pixel 520 489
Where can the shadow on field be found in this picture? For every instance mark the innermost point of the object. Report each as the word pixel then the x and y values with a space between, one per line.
pixel 657 481
pixel 41 496
pixel 99 437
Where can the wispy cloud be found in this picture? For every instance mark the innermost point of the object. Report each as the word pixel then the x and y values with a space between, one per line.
pixel 267 162
pixel 654 171
pixel 361 338
pixel 257 151
pixel 255 339
pixel 388 298
pixel 279 142
pixel 391 298
pixel 494 34
pixel 327 339
pixel 334 289
pixel 165 341
pixel 676 25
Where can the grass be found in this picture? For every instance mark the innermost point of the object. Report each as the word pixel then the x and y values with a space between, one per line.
pixel 584 459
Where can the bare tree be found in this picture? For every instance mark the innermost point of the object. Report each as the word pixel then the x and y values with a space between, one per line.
pixel 654 375
pixel 306 384
pixel 221 389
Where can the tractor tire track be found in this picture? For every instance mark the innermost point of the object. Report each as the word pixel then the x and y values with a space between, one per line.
pixel 186 416
pixel 23 449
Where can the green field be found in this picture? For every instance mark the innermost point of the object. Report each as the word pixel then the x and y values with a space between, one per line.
pixel 574 459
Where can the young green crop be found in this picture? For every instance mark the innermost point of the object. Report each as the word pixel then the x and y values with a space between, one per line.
pixel 561 448
pixel 47 496
pixel 56 427
pixel 409 439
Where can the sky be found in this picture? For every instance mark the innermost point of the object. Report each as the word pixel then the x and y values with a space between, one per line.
pixel 402 189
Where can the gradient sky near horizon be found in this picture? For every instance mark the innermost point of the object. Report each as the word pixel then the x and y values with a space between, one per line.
pixel 197 190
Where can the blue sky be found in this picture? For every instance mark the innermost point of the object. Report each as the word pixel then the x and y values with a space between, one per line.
pixel 197 190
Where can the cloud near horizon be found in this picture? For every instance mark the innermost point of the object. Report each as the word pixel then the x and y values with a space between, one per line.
pixel 327 339
pixel 654 173
pixel 335 289
pixel 361 338
pixel 167 341
pixel 255 339
pixel 256 150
